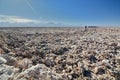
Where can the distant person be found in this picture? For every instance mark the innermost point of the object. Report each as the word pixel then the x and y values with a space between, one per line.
pixel 86 28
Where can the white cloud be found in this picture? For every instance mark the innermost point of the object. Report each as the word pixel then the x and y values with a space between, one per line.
pixel 16 20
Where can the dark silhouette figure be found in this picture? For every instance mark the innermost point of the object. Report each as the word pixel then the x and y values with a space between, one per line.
pixel 86 28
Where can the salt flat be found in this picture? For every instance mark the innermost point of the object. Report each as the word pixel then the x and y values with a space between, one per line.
pixel 59 53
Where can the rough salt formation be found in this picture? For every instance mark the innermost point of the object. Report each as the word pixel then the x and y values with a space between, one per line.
pixel 60 54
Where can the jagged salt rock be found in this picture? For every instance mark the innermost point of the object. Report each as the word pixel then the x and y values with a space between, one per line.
pixel 2 60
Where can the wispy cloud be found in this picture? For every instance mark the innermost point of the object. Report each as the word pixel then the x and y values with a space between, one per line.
pixel 20 20
pixel 16 19
pixel 28 3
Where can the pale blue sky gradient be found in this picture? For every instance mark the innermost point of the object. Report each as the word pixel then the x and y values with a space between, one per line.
pixel 60 12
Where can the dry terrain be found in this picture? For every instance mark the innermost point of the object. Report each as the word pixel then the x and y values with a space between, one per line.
pixel 59 54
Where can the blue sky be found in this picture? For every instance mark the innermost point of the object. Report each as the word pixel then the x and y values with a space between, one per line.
pixel 59 12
